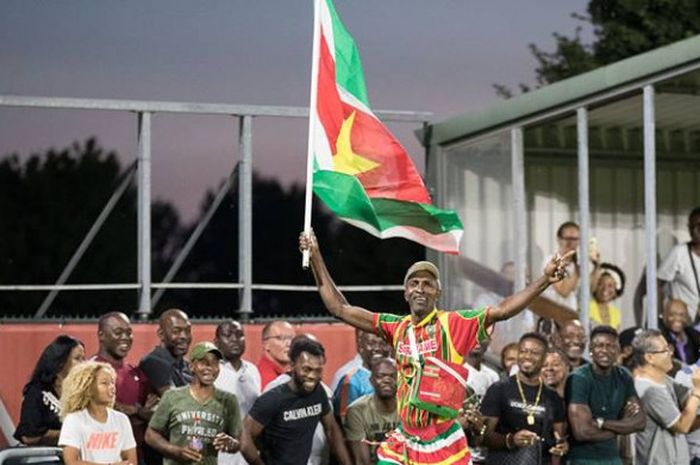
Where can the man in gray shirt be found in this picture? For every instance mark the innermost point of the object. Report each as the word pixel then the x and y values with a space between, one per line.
pixel 670 408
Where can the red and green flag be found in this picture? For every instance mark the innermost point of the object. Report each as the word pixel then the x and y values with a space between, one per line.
pixel 360 171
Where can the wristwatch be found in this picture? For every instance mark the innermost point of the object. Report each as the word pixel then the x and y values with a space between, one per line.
pixel 599 421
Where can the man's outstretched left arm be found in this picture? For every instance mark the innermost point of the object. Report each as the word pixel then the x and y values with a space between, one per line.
pixel 554 271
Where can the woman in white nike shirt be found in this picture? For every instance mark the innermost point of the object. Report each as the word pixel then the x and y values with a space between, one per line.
pixel 93 432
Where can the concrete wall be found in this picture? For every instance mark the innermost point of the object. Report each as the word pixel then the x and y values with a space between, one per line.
pixel 21 345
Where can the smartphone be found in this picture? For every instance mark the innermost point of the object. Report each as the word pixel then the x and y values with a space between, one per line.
pixel 593 247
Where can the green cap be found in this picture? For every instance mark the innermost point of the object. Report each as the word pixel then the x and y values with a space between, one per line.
pixel 201 349
pixel 422 266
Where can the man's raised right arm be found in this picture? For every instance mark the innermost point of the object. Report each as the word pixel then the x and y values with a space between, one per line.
pixel 333 299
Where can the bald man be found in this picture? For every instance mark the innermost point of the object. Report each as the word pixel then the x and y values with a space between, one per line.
pixel 165 366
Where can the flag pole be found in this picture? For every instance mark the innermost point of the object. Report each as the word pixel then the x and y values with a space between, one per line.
pixel 312 127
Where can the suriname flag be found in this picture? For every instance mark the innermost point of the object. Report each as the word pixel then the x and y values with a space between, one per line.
pixel 360 171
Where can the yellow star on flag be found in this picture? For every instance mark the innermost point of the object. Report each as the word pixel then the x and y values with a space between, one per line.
pixel 345 160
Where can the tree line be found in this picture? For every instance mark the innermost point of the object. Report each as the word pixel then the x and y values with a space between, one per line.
pixel 49 201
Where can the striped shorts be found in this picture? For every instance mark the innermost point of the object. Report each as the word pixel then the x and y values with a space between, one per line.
pixel 442 444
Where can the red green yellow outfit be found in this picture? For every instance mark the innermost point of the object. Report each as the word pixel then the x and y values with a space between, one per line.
pixel 424 438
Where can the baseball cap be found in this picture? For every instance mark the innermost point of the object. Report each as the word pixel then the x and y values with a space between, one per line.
pixel 422 266
pixel 201 349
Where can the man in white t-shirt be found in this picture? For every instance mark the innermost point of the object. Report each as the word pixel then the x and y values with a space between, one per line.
pixel 480 376
pixel 678 274
pixel 237 376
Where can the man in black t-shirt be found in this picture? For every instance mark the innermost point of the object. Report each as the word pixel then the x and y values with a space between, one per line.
pixel 283 420
pixel 524 418
pixel 165 366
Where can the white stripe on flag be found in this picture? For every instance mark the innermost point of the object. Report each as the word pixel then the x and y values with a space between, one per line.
pixel 327 27
pixel 444 242
pixel 322 149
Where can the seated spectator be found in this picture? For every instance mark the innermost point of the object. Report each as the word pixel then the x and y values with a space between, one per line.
pixel 524 418
pixel 39 420
pixel 479 377
pixel 134 397
pixel 372 416
pixel 609 285
pixel 676 328
pixel 194 423
pixel 356 382
pixel 276 339
pixel 93 432
pixel 602 403
pixel 555 370
pixel 571 339
pixel 671 409
pixel 509 358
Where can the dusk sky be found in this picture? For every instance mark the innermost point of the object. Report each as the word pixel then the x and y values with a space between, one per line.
pixel 440 56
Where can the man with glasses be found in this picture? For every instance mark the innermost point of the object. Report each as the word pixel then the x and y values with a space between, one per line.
pixel 276 338
pixel 602 403
pixel 564 291
pixel 671 408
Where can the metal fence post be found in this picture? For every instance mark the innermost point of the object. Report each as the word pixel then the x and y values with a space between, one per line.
pixel 245 215
pixel 650 204
pixel 144 214
pixel 519 207
pixel 584 206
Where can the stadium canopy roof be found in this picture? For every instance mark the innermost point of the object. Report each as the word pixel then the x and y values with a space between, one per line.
pixel 674 70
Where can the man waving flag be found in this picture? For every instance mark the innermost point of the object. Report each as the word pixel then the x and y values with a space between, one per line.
pixel 356 166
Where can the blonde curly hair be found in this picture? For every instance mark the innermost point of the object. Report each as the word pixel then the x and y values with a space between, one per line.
pixel 77 389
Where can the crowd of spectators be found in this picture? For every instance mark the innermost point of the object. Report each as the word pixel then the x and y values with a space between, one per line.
pixel 562 393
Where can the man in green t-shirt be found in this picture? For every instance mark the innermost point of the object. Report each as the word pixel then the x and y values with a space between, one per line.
pixel 602 403
pixel 193 423
pixel 372 416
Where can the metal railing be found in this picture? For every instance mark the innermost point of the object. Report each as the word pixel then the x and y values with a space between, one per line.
pixel 141 172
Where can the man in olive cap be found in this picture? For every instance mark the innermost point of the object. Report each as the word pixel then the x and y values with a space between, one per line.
pixel 422 436
pixel 194 423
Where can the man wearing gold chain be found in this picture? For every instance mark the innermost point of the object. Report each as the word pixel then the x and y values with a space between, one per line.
pixel 525 419
pixel 425 435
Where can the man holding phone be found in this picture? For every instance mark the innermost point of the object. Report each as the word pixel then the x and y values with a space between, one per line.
pixel 565 292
